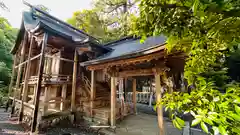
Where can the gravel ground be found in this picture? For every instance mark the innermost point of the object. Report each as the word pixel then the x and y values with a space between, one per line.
pixel 9 126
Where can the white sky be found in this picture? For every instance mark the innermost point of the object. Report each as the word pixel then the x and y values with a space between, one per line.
pixel 62 9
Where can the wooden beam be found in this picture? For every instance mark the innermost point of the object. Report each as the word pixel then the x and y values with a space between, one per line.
pixel 38 87
pixel 33 58
pixel 137 72
pixel 134 95
pixel 143 72
pixel 159 107
pixel 22 53
pixel 26 77
pixel 140 59
pixel 113 101
pixel 63 59
pixel 93 90
pixel 74 83
pixel 64 96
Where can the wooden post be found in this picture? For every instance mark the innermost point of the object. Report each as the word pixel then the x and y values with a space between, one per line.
pixel 121 96
pixel 46 97
pixel 113 101
pixel 159 107
pixel 64 96
pixel 74 81
pixel 26 77
pixel 151 93
pixel 93 91
pixel 39 81
pixel 126 89
pixel 134 95
pixel 34 92
pixel 22 53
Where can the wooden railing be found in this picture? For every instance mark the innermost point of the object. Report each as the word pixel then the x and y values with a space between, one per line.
pixel 87 84
pixel 52 77
pixel 56 100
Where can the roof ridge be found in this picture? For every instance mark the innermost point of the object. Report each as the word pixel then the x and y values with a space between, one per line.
pixel 56 19
pixel 112 43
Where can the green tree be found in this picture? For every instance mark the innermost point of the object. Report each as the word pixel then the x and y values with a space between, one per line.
pixel 103 25
pixel 117 14
pixel 7 39
pixel 90 22
pixel 208 32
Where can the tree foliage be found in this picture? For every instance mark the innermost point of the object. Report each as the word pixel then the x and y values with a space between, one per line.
pixel 108 20
pixel 208 32
pixel 90 22
pixel 7 39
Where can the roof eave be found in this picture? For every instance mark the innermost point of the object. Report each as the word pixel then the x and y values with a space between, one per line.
pixel 131 55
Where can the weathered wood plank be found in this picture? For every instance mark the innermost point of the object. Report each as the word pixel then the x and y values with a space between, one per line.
pixel 93 90
pixel 134 95
pixel 25 84
pixel 137 72
pixel 74 83
pixel 64 96
pixel 159 107
pixel 33 58
pixel 63 59
pixel 46 97
pixel 22 53
pixel 38 87
pixel 113 101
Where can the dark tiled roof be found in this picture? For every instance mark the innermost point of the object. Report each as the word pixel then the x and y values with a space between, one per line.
pixel 127 48
pixel 37 19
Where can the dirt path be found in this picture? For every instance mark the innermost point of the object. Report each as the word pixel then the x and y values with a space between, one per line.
pixel 9 126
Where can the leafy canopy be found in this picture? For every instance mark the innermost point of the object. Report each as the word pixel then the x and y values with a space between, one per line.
pixel 7 39
pixel 208 32
pixel 108 20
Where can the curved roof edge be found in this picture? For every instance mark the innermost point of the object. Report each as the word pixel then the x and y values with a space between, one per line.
pixel 32 21
pixel 130 49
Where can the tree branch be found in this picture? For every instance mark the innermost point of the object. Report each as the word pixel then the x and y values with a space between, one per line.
pixel 168 6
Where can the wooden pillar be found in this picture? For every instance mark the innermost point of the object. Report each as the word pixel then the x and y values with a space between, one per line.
pixel 22 53
pixel 113 101
pixel 151 93
pixel 39 81
pixel 64 96
pixel 74 81
pixel 93 91
pixel 134 95
pixel 125 88
pixel 159 107
pixel 26 77
pixel 34 92
pixel 46 97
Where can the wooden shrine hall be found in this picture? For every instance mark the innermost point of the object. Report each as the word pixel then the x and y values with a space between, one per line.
pixel 62 72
